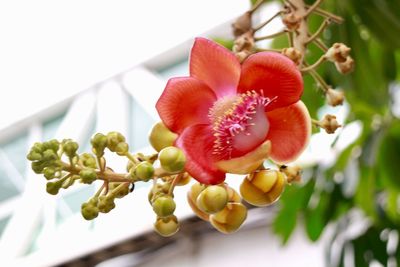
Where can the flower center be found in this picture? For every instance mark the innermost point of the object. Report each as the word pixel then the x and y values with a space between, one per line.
pixel 239 124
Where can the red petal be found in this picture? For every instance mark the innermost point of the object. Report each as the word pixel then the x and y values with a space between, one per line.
pixel 197 143
pixel 184 102
pixel 289 132
pixel 272 75
pixel 216 66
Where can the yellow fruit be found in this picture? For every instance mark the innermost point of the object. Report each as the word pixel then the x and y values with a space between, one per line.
pixel 262 188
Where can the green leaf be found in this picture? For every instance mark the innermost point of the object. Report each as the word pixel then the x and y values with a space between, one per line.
pixel 389 157
pixel 314 218
pixel 381 18
pixel 294 199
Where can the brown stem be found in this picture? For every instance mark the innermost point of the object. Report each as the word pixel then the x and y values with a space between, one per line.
pixel 301 35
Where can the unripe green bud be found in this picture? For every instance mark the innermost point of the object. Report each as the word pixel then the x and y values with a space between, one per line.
pixel 33 156
pixel 52 144
pixel 144 171
pixel 88 160
pixel 99 143
pixel 88 175
pixel 212 199
pixel 167 226
pixel 113 139
pixel 70 147
pixel 172 159
pixel 49 173
pixel 53 187
pixel 164 206
pixel 160 190
pixel 37 167
pixel 89 211
pixel 161 137
pixel 106 204
pixel 122 148
pixel 49 155
pixel 38 147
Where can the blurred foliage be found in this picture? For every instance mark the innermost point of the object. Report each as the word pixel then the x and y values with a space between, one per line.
pixel 372 162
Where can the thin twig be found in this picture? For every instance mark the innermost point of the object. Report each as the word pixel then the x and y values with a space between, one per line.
pixel 269 36
pixel 258 49
pixel 256 6
pixel 315 65
pixel 321 28
pixel 318 42
pixel 324 86
pixel 290 38
pixel 313 7
pixel 324 13
pixel 266 22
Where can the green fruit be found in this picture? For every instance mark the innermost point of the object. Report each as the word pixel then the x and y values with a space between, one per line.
pixel 164 206
pixel 144 171
pixel 161 137
pixel 88 175
pixel 172 159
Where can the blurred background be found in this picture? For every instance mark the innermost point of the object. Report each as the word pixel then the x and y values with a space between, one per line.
pixel 71 69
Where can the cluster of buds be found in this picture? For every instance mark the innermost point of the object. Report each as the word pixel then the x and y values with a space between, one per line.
pixel 61 165
pixel 339 54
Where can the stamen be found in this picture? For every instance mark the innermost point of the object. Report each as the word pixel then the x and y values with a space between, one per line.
pixel 235 120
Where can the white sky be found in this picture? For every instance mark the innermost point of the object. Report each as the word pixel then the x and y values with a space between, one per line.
pixel 51 49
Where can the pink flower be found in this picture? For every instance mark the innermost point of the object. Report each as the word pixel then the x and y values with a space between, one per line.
pixel 230 117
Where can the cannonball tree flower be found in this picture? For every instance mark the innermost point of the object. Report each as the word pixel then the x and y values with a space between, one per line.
pixel 230 117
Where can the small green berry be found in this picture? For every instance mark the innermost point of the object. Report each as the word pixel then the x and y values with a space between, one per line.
pixel 70 147
pixel 164 206
pixel 49 155
pixel 49 173
pixel 172 159
pixel 122 148
pixel 88 160
pixel 88 175
pixel 106 204
pixel 113 139
pixel 53 187
pixel 99 143
pixel 37 167
pixel 144 171
pixel 33 156
pixel 89 211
